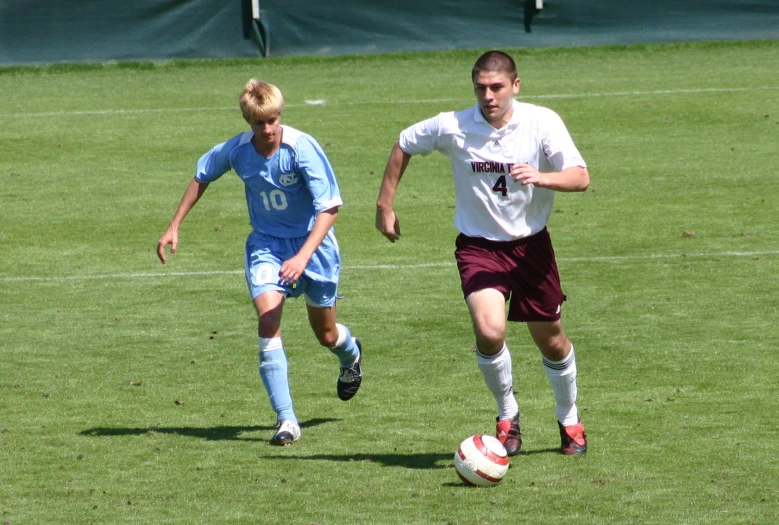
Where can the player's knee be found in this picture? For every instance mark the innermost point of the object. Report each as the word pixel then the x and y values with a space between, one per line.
pixel 328 338
pixel 556 347
pixel 267 327
pixel 490 343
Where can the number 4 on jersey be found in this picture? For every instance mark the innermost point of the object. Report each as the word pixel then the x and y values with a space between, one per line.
pixel 500 186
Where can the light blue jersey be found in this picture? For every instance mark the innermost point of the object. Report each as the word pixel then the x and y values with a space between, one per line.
pixel 285 192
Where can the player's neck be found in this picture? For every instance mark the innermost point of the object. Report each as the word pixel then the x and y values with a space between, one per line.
pixel 502 121
pixel 265 148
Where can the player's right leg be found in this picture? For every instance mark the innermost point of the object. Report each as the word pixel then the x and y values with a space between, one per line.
pixel 262 268
pixel 485 286
pixel 487 309
pixel 273 367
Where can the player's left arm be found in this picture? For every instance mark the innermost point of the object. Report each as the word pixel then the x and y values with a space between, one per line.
pixel 569 169
pixel 319 175
pixel 292 269
pixel 574 178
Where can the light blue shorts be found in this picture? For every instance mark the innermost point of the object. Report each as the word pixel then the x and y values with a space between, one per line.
pixel 265 254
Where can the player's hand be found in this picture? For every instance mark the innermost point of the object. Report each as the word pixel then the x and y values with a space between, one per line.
pixel 292 269
pixel 169 237
pixel 387 223
pixel 527 174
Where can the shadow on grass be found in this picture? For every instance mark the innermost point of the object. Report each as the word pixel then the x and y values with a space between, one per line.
pixel 420 461
pixel 221 433
pixel 410 460
pixel 540 451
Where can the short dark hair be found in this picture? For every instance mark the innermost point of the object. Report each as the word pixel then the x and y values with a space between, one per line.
pixel 495 61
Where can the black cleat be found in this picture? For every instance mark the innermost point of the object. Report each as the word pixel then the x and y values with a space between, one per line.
pixel 573 439
pixel 350 377
pixel 508 433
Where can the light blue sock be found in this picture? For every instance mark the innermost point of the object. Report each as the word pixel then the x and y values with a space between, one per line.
pixel 345 348
pixel 273 371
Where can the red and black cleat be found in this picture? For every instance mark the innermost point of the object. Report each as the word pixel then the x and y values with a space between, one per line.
pixel 508 433
pixel 573 439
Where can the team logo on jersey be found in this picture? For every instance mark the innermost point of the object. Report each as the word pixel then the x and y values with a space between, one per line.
pixel 288 179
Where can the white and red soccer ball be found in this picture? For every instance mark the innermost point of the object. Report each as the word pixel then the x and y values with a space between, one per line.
pixel 481 461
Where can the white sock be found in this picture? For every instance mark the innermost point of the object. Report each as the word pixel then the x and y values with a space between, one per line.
pixel 345 348
pixel 342 333
pixel 562 377
pixel 497 373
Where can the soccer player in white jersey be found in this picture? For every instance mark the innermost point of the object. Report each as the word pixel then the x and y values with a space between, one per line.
pixel 293 200
pixel 508 159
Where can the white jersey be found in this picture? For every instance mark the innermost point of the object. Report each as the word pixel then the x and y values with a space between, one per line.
pixel 489 203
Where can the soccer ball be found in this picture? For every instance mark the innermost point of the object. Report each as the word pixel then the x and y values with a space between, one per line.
pixel 481 461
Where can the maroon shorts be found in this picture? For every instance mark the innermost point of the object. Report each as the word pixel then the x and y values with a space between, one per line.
pixel 524 271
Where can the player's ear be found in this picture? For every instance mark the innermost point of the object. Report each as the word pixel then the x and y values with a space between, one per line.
pixel 515 87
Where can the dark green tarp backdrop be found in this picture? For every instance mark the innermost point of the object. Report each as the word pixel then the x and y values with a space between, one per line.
pixel 47 31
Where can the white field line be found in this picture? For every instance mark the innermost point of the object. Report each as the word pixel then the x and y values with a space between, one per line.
pixel 113 112
pixel 372 267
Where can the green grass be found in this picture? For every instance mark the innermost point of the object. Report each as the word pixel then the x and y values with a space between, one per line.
pixel 129 390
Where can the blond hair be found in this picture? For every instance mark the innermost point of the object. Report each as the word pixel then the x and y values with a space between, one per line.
pixel 260 100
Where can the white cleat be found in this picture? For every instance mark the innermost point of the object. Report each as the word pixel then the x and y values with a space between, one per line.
pixel 287 433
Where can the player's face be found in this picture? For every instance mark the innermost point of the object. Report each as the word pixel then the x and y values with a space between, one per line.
pixel 495 93
pixel 267 132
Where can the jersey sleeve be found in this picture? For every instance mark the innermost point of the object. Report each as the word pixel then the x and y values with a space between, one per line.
pixel 421 138
pixel 558 144
pixel 216 162
pixel 318 173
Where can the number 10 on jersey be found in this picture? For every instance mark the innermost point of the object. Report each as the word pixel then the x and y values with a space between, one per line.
pixel 275 200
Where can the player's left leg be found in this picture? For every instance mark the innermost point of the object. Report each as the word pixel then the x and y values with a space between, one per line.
pixel 537 299
pixel 559 360
pixel 320 282
pixel 338 338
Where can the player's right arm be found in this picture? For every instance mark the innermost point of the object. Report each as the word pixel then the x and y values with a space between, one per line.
pixel 192 194
pixel 211 166
pixel 386 220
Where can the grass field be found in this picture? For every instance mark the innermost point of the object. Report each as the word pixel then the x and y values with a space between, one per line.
pixel 129 390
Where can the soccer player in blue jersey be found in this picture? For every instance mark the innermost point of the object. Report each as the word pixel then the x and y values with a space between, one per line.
pixel 293 200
